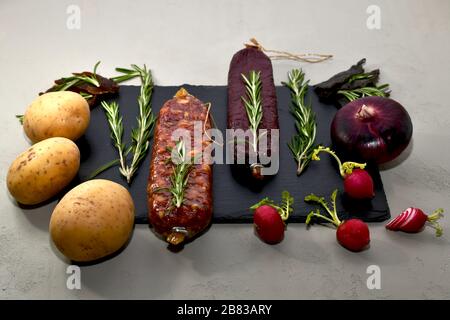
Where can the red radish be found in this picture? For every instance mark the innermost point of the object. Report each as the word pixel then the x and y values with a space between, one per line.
pixel 268 224
pixel 413 220
pixel 269 218
pixel 352 234
pixel 358 183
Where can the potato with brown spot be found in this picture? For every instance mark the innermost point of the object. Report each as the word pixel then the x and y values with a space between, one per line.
pixel 57 114
pixel 38 174
pixel 93 220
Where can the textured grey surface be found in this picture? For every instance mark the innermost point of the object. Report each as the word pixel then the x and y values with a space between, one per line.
pixel 192 42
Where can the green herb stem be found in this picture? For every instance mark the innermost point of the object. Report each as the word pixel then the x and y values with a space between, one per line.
pixel 284 209
pixel 360 76
pixel 433 218
pixel 331 211
pixel 180 174
pixel 302 144
pixel 86 96
pixel 141 135
pixel 379 91
pixel 71 81
pixel 345 168
pixel 104 167
pixel 127 74
pixel 116 127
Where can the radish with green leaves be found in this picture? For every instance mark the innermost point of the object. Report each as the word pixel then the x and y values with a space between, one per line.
pixel 358 183
pixel 269 218
pixel 352 234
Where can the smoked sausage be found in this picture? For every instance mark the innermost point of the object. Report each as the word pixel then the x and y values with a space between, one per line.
pixel 249 59
pixel 178 224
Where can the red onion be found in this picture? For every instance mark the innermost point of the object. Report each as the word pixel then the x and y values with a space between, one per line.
pixel 372 129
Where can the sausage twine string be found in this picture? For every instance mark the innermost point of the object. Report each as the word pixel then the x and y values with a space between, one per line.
pixel 284 55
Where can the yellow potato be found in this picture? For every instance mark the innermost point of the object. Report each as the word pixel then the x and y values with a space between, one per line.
pixel 93 220
pixel 43 170
pixel 57 114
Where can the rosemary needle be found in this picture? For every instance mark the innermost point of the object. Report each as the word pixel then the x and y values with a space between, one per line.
pixel 302 144
pixel 353 94
pixel 379 91
pixel 127 74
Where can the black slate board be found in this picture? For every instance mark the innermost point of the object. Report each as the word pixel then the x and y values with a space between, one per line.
pixel 232 198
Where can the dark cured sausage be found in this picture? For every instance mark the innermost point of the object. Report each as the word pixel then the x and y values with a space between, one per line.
pixel 176 225
pixel 244 61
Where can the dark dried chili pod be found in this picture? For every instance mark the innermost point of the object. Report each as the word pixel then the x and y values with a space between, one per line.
pixel 327 90
pixel 106 87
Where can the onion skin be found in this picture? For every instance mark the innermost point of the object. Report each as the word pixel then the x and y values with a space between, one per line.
pixel 372 129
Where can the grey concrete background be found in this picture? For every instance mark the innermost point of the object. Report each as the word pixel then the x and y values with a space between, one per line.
pixel 192 42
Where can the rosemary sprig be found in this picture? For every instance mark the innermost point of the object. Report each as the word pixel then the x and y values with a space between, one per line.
pixel 360 76
pixel 253 103
pixel 140 136
pixel 302 144
pixel 116 127
pixel 379 91
pixel 69 82
pixel 127 74
pixel 180 174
